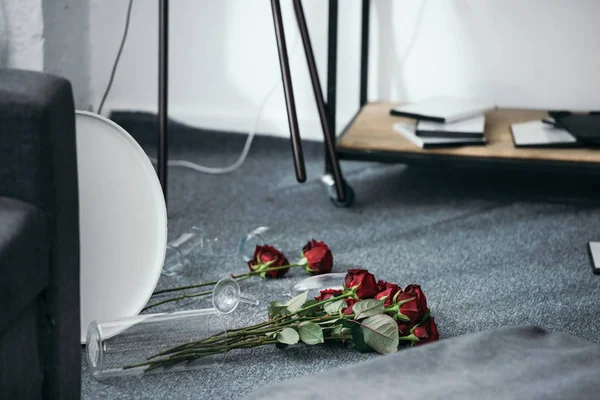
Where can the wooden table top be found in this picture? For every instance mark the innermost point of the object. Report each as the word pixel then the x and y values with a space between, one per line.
pixel 372 130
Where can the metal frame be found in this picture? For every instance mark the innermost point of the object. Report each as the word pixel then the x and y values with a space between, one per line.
pixel 326 117
pixel 163 93
pixel 288 91
pixel 364 51
pixel 327 111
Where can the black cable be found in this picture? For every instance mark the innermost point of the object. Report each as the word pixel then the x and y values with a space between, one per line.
pixel 114 69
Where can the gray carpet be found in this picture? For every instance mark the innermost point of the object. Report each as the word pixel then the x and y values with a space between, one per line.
pixel 490 249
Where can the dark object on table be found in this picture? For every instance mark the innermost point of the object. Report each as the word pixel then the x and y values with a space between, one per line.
pixel 409 132
pixel 584 127
pixel 507 363
pixel 468 128
pixel 39 238
pixel 594 252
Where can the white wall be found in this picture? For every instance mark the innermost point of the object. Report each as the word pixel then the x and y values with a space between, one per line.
pixel 67 45
pixel 50 36
pixel 23 34
pixel 534 53
pixel 223 60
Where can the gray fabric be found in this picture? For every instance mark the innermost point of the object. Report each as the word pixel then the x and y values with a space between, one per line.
pixel 22 356
pixel 509 363
pixel 490 249
pixel 24 266
pixel 38 165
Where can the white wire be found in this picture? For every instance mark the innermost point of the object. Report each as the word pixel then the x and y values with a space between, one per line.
pixel 246 149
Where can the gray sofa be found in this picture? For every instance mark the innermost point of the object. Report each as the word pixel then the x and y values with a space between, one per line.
pixel 39 238
pixel 522 362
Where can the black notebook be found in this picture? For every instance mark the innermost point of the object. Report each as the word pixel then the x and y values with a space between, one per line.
pixel 409 132
pixel 442 109
pixel 466 128
pixel 584 127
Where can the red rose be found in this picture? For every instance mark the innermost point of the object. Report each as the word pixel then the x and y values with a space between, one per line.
pixel 387 291
pixel 350 303
pixel 327 294
pixel 426 332
pixel 404 328
pixel 382 285
pixel 363 280
pixel 268 257
pixel 318 257
pixel 415 309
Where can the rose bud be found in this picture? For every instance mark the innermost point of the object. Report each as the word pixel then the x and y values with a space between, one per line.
pixel 348 310
pixel 266 257
pixel 387 291
pixel 363 280
pixel 426 332
pixel 413 304
pixel 404 328
pixel 326 294
pixel 382 285
pixel 317 257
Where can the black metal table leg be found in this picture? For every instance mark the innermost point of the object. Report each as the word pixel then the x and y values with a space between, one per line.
pixel 289 92
pixel 163 84
pixel 342 195
pixel 331 75
pixel 364 51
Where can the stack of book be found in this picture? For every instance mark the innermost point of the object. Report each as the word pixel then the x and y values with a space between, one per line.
pixel 443 122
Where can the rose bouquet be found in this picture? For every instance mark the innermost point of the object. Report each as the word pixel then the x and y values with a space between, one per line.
pixel 366 314
pixel 267 262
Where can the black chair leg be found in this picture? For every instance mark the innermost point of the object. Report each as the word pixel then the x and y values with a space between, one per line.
pixel 343 195
pixel 288 92
pixel 163 82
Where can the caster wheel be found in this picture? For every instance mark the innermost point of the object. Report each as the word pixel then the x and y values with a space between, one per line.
pixel 349 192
pixel 329 185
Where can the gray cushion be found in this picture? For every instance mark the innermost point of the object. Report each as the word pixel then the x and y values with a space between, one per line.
pixel 38 165
pixel 24 266
pixel 508 363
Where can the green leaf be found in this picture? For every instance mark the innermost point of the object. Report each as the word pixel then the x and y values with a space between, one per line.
pixel 335 306
pixel 276 308
pixel 368 308
pixel 346 323
pixel 381 333
pixel 310 311
pixel 296 303
pixel 359 340
pixel 311 333
pixel 288 336
pixel 340 330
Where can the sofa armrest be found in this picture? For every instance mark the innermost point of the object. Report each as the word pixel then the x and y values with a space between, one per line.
pixel 38 165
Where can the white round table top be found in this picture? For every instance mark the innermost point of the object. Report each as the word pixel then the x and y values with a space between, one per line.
pixel 123 221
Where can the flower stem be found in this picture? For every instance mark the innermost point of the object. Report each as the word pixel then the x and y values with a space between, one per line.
pixel 185 296
pixel 278 322
pixel 177 358
pixel 239 277
pixel 252 273
pixel 250 336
